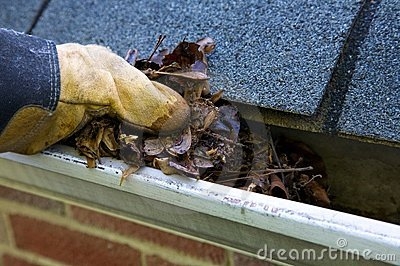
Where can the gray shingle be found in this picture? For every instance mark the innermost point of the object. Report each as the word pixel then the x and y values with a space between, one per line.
pixel 19 14
pixel 372 106
pixel 275 54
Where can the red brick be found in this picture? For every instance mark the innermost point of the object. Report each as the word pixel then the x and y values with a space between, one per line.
pixel 9 260
pixel 69 246
pixel 186 246
pixel 240 259
pixel 33 200
pixel 157 261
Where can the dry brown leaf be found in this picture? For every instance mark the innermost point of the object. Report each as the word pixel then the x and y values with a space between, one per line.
pixel 194 76
pixel 185 168
pixel 163 165
pixel 96 140
pixel 218 146
pixel 131 145
pixel 277 188
pixel 153 146
pixel 185 54
pixel 202 162
pixel 131 169
pixel 202 113
pixel 206 44
pixel 182 143
pixel 131 56
pixel 314 193
pixel 227 123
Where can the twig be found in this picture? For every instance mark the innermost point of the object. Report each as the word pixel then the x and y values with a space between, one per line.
pixel 207 177
pixel 271 141
pixel 287 170
pixel 161 38
pixel 233 179
pixel 269 172
pixel 312 178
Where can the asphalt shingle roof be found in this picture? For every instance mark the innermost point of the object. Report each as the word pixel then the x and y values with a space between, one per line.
pixel 18 14
pixel 285 56
pixel 372 105
pixel 277 55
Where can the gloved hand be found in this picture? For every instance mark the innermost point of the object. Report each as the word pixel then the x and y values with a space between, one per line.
pixel 95 82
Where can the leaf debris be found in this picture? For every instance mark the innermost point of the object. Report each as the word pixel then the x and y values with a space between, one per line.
pixel 217 146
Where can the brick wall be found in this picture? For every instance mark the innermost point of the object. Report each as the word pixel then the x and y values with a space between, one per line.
pixel 35 230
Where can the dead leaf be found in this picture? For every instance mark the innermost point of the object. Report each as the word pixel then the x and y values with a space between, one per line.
pixel 195 76
pixel 218 146
pixel 313 192
pixel 227 123
pixel 185 54
pixel 91 162
pixel 203 113
pixel 131 56
pixel 109 146
pixel 277 188
pixel 131 144
pixel 202 162
pixel 132 169
pixel 206 44
pixel 163 165
pixel 217 96
pixel 153 146
pixel 182 143
pixel 185 168
pixel 96 140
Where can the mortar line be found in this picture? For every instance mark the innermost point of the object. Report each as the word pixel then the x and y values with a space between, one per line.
pixel 70 201
pixel 29 256
pixel 39 13
pixel 338 86
pixel 9 231
pixel 229 258
pixel 143 260
pixel 144 246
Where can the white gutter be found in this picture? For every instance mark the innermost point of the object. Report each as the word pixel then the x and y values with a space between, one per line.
pixel 243 220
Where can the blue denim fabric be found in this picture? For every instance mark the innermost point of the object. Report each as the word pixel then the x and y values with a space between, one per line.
pixel 29 74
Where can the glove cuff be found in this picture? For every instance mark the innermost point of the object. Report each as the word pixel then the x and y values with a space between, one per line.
pixel 30 74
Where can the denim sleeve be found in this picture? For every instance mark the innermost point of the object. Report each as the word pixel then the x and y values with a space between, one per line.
pixel 29 74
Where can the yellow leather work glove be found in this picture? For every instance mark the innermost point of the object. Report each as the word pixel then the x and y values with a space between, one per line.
pixel 95 82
